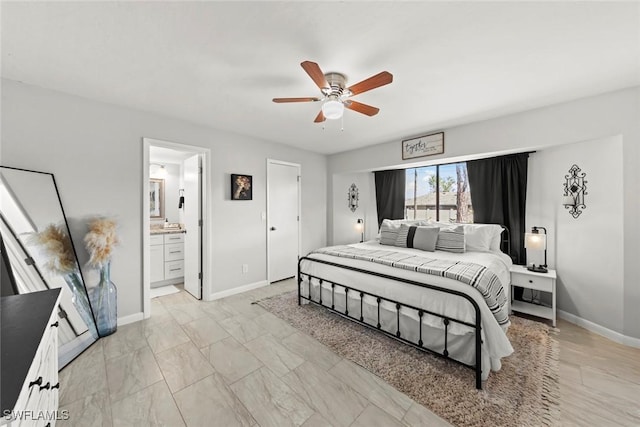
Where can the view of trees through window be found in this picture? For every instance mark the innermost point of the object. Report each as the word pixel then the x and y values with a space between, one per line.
pixel 440 193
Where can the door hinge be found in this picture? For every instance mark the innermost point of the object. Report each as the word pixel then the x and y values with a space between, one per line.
pixel 298 217
pixel 200 223
pixel 29 261
pixel 200 276
pixel 200 170
pixel 298 178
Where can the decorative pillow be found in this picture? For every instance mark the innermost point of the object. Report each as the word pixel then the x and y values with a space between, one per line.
pixel 451 239
pixel 388 233
pixel 390 227
pixel 419 237
pixel 425 238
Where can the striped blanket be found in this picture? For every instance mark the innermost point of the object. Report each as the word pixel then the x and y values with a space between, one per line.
pixel 475 275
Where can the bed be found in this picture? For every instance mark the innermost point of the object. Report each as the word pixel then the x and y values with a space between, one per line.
pixel 420 298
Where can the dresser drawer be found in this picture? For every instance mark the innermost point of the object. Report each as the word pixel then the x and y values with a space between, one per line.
pixel 174 238
pixel 532 282
pixel 173 269
pixel 156 239
pixel 173 252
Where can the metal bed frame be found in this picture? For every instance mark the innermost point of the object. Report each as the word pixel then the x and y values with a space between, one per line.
pixel 476 325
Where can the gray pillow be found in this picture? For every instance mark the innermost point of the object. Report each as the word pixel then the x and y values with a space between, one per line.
pixel 451 239
pixel 419 237
pixel 425 238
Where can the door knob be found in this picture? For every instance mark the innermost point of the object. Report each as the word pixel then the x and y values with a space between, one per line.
pixel 273 229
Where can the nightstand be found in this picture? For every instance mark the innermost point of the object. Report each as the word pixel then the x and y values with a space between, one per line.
pixel 543 282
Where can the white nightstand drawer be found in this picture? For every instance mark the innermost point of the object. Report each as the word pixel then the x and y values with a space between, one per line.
pixel 173 252
pixel 532 282
pixel 173 269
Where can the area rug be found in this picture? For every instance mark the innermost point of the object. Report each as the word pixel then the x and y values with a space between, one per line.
pixel 524 392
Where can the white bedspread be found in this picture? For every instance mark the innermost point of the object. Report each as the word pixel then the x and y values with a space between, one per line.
pixel 495 342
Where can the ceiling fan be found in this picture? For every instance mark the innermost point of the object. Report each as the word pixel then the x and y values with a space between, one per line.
pixel 335 96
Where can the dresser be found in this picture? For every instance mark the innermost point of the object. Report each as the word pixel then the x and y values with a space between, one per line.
pixel 167 259
pixel 29 359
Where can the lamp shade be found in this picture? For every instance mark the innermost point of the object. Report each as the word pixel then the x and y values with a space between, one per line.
pixel 332 109
pixel 360 225
pixel 535 241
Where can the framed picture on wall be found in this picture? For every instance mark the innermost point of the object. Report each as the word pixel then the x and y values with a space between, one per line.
pixel 427 145
pixel 241 187
pixel 156 198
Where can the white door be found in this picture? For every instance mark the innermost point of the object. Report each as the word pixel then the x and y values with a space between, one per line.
pixel 283 217
pixel 193 224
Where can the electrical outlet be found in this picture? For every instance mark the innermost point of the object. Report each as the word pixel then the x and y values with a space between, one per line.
pixel 245 268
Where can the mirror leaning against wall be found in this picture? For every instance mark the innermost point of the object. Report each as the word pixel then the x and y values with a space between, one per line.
pixel 41 255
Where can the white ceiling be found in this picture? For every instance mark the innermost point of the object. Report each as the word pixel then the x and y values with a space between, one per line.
pixel 221 63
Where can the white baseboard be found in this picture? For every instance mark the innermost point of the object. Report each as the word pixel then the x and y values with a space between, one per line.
pixel 600 330
pixel 238 290
pixel 135 317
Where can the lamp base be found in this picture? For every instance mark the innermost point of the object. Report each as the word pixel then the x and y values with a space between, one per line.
pixel 538 269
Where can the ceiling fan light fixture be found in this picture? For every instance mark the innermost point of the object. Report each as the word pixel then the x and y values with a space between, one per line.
pixel 333 109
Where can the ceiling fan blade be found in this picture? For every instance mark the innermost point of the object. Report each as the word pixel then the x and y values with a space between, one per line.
pixel 380 79
pixel 281 100
pixel 361 108
pixel 315 73
pixel 319 118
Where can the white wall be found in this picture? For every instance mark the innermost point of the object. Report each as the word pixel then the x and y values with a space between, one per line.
pixel 172 180
pixel 95 151
pixel 342 228
pixel 610 114
pixel 587 252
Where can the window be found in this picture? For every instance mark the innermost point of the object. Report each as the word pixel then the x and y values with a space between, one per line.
pixel 439 193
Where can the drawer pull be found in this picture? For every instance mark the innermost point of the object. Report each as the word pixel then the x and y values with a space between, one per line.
pixel 47 386
pixel 174 252
pixel 55 325
pixel 36 382
pixel 55 386
pixel 175 269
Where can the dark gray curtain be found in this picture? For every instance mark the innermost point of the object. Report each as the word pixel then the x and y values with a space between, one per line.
pixel 390 194
pixel 498 195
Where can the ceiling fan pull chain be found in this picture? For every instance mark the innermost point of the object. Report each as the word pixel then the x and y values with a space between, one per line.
pixel 342 128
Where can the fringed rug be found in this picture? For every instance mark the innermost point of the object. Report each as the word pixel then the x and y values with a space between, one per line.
pixel 524 392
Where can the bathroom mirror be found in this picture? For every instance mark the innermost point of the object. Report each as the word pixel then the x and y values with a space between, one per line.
pixel 156 198
pixel 38 247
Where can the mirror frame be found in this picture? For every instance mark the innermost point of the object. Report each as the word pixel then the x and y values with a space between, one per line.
pixel 73 247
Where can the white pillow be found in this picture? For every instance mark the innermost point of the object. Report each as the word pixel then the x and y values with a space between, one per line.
pixel 481 237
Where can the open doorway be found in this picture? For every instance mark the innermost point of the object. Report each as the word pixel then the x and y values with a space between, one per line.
pixel 175 220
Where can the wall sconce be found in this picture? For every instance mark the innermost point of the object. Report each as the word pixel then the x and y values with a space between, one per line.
pixel 538 242
pixel 575 189
pixel 353 197
pixel 360 228
pixel 157 169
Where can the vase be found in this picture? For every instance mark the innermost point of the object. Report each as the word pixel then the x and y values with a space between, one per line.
pixel 80 301
pixel 104 300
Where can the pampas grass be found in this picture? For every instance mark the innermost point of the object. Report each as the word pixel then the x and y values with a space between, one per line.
pixel 101 240
pixel 56 244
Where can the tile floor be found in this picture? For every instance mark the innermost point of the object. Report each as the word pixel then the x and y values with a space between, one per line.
pixel 231 363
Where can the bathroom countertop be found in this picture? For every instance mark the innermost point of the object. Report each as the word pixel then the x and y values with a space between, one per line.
pixel 166 231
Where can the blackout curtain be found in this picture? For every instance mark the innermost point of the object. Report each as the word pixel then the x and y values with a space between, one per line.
pixel 498 195
pixel 390 194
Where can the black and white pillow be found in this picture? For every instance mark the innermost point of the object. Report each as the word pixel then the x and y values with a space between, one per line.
pixel 418 237
pixel 451 239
